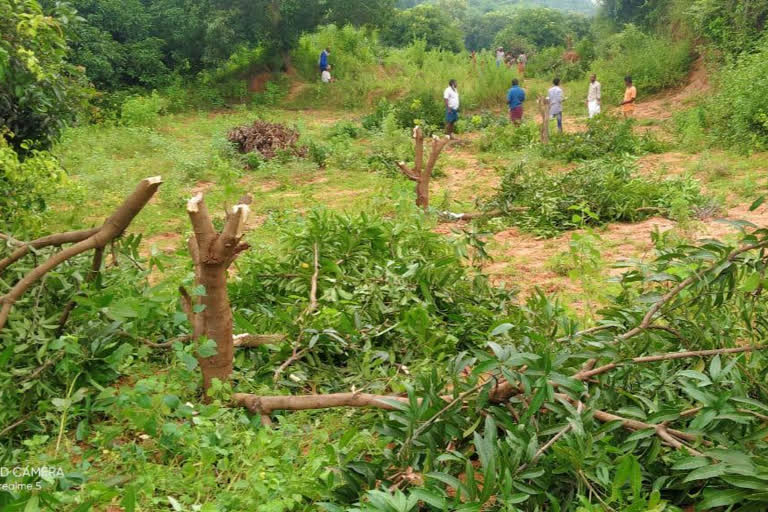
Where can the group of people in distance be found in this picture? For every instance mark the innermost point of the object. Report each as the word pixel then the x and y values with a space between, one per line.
pixel 504 57
pixel 516 94
pixel 555 98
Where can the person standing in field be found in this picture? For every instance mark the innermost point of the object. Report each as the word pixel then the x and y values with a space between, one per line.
pixel 323 62
pixel 515 99
pixel 594 96
pixel 630 97
pixel 522 61
pixel 499 56
pixel 556 98
pixel 451 97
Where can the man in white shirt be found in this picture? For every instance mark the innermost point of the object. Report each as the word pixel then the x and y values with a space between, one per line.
pixel 555 96
pixel 499 56
pixel 451 97
pixel 325 76
pixel 594 96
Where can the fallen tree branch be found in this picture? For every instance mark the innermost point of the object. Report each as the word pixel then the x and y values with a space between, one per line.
pixel 288 362
pixel 56 239
pixel 256 340
pixel 661 430
pixel 112 228
pixel 583 375
pixel 265 405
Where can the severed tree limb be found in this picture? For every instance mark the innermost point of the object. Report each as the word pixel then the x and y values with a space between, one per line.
pixel 265 405
pixel 112 228
pixel 297 354
pixel 256 340
pixel 661 430
pixel 407 172
pixel 47 241
pixel 587 374
pixel 98 258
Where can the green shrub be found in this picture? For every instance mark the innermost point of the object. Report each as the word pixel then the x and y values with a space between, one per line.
pixel 143 110
pixel 655 63
pixel 596 192
pixel 24 188
pixel 605 135
pixel 508 137
pixel 737 115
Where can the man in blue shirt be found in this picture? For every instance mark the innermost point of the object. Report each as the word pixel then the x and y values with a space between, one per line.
pixel 515 99
pixel 324 59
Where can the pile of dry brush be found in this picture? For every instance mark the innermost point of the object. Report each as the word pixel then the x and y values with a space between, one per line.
pixel 267 138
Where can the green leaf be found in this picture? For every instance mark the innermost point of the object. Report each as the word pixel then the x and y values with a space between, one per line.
pixel 517 498
pixel 33 505
pixel 714 498
pixel 706 472
pixel 129 499
pixel 430 498
pixel 689 463
pixel 758 202
pixel 502 329
pixel 751 283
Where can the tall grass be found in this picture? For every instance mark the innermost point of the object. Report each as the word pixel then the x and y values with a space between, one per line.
pixel 367 71
pixel 655 63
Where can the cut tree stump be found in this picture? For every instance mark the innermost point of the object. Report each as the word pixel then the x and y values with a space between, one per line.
pixel 422 174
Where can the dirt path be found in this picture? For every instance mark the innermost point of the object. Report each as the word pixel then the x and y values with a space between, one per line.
pixel 663 106
pixel 528 262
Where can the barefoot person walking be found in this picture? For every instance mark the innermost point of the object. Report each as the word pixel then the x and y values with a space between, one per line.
pixel 515 99
pixel 451 97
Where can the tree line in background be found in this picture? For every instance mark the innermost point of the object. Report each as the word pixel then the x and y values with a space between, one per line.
pixel 54 57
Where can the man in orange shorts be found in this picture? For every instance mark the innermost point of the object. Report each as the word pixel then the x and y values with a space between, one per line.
pixel 630 97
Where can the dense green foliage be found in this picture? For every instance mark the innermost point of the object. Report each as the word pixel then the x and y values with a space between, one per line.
pixel 40 91
pixel 737 115
pixel 426 22
pixel 596 192
pixel 25 186
pixel 139 43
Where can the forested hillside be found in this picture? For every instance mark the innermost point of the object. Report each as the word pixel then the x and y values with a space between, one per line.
pixel 383 256
pixel 583 6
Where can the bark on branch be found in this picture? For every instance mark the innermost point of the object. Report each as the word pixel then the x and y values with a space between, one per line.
pixel 112 228
pixel 257 340
pixel 57 239
pixel 423 174
pixel 584 375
